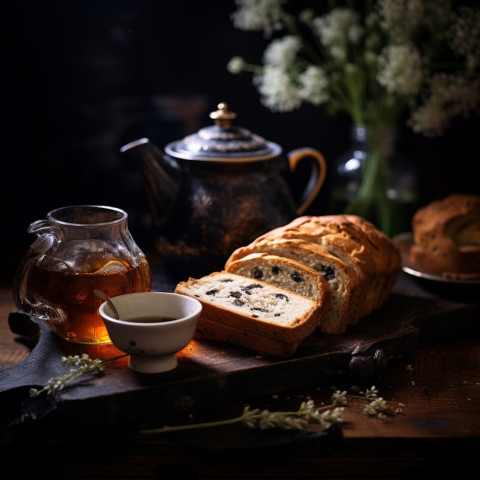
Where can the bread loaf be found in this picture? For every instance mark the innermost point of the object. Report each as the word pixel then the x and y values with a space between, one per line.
pixel 252 313
pixel 342 280
pixel 446 235
pixel 315 273
pixel 342 241
pixel 371 255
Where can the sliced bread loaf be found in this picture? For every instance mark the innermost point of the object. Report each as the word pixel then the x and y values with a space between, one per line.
pixel 343 240
pixel 343 282
pixel 252 313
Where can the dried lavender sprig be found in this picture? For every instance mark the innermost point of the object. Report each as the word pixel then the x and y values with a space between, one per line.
pixel 80 365
pixel 308 413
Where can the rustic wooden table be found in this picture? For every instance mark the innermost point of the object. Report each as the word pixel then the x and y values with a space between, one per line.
pixel 432 431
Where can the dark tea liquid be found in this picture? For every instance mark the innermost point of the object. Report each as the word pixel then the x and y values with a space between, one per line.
pixel 71 295
pixel 151 319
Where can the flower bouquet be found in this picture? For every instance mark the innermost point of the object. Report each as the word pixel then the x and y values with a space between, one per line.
pixel 376 61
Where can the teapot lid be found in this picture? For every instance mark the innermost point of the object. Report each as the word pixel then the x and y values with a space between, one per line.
pixel 223 142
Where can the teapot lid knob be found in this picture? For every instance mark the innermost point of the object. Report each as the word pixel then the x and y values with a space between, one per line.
pixel 223 117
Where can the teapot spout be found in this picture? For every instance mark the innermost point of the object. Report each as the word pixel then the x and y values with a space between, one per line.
pixel 162 177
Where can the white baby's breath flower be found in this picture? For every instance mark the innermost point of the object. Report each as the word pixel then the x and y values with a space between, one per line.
pixel 464 34
pixel 400 69
pixel 450 96
pixel 236 65
pixel 334 416
pixel 337 29
pixel 429 119
pixel 376 407
pixel 373 65
pixel 258 15
pixel 339 398
pixel 277 90
pixel 399 18
pixel 371 392
pixel 314 85
pixel 334 27
pixel 282 52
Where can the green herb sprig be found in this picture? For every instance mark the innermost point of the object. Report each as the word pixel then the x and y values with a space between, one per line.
pixel 308 413
pixel 80 365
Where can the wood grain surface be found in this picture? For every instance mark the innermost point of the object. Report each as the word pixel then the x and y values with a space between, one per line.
pixel 434 434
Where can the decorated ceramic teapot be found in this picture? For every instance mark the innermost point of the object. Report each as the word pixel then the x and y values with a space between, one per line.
pixel 219 189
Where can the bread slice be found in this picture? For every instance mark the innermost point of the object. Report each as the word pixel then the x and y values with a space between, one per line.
pixel 252 313
pixel 343 282
pixel 285 273
pixel 218 332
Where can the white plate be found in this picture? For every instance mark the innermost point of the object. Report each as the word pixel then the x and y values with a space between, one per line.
pixel 405 240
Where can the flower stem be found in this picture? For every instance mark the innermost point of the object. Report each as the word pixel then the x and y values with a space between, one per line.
pixel 250 418
pixel 179 428
pixel 371 200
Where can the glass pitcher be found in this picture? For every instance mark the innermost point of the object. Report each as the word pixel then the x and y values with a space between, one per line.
pixel 79 249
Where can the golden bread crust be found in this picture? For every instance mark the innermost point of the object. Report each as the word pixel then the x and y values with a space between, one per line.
pixel 446 235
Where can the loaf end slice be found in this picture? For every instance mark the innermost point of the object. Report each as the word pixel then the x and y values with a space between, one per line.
pixel 251 313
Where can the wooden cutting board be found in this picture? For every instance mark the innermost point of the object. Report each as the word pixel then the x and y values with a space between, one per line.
pixel 212 373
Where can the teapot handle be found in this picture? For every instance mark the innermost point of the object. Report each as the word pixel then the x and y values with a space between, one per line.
pixel 317 174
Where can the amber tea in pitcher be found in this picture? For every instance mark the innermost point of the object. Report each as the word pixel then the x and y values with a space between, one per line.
pixel 79 249
pixel 72 292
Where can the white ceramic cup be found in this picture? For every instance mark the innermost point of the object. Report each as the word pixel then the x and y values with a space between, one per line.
pixel 152 345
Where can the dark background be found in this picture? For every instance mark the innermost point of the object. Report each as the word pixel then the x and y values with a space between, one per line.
pixel 83 77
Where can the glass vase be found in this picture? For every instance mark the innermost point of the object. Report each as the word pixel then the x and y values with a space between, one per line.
pixel 373 181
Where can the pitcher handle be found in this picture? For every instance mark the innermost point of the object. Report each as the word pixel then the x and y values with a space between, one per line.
pixel 46 231
pixel 317 174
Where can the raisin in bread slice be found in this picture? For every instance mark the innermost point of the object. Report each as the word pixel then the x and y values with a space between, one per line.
pixel 251 313
pixel 285 273
pixel 343 282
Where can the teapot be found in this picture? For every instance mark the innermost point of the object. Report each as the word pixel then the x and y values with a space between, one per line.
pixel 218 189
